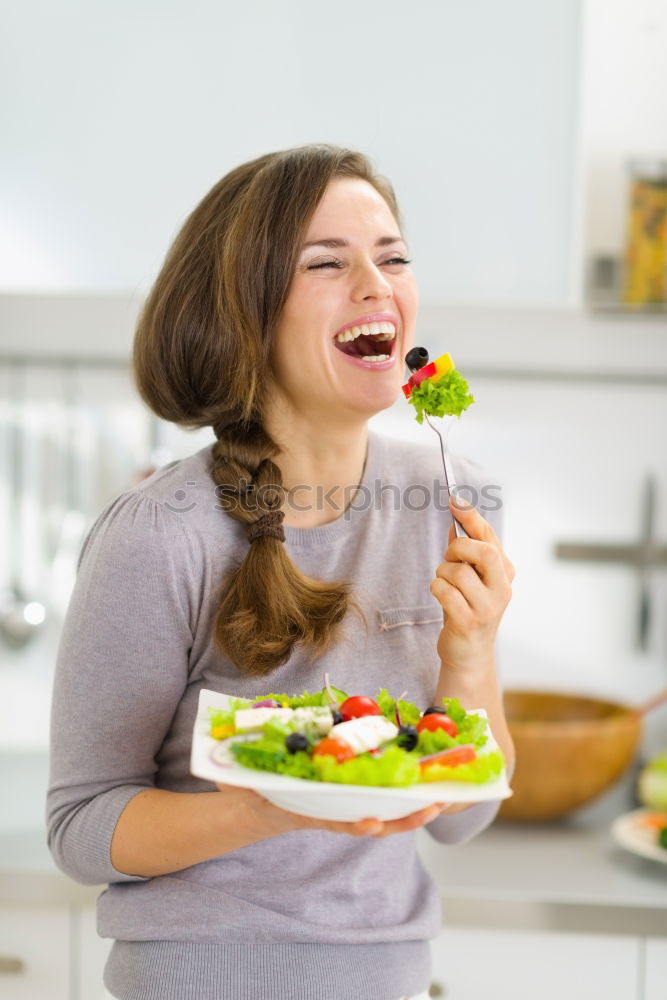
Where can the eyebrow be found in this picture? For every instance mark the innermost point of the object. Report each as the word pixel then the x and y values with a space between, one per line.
pixel 333 241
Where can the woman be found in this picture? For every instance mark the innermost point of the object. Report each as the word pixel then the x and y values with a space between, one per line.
pixel 257 564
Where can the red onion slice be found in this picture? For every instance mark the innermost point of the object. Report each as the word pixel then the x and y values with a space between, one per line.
pixel 398 717
pixel 335 704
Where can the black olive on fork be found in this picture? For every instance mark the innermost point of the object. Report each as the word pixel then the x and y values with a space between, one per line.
pixel 416 358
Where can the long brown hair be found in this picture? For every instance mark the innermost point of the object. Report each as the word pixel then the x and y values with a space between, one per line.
pixel 201 358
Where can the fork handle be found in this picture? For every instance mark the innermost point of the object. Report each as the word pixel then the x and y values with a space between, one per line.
pixel 451 485
pixel 449 479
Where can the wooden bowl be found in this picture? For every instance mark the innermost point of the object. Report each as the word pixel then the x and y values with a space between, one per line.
pixel 569 749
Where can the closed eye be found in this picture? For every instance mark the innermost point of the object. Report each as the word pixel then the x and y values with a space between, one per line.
pixel 325 263
pixel 339 264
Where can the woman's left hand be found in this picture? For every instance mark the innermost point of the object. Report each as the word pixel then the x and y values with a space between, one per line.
pixel 474 586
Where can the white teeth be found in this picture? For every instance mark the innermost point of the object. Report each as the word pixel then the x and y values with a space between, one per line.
pixel 382 331
pixel 376 357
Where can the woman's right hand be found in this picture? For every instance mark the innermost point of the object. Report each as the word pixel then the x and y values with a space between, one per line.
pixel 262 819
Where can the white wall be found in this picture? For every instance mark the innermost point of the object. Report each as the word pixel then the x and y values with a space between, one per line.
pixel 118 117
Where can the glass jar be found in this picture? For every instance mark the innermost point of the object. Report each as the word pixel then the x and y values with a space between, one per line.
pixel 645 271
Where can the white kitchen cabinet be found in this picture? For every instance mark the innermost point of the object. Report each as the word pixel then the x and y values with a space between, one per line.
pixel 655 969
pixel 51 953
pixel 93 951
pixel 473 964
pixel 35 953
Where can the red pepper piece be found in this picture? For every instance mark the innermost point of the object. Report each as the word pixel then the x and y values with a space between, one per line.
pixel 452 757
pixel 422 373
pixel 426 372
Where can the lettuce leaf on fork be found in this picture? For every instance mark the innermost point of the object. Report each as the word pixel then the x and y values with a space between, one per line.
pixel 448 395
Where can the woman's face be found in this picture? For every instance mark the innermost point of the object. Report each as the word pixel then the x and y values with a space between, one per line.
pixel 351 279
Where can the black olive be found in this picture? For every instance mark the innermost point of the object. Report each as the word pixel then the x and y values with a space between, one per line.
pixel 295 742
pixel 407 737
pixel 337 718
pixel 434 708
pixel 416 358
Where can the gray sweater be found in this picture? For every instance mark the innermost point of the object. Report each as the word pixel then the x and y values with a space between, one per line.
pixel 308 915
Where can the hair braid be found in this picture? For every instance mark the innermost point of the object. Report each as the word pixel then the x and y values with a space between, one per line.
pixel 267 605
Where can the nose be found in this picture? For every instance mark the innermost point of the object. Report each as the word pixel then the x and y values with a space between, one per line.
pixel 370 283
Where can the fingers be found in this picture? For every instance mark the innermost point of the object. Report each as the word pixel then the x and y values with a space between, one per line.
pixel 478 575
pixel 413 821
pixel 486 558
pixel 457 606
pixel 471 519
pixel 491 555
pixel 374 827
pixel 274 820
pixel 474 582
pixel 476 526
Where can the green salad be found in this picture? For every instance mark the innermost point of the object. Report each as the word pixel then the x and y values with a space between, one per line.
pixel 357 740
pixel 447 395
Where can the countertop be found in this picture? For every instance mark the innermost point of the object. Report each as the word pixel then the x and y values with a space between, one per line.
pixel 566 875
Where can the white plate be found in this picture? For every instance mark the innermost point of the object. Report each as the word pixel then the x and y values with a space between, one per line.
pixel 628 832
pixel 212 760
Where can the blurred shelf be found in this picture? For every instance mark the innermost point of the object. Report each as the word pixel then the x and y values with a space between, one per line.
pixel 620 309
pixel 504 340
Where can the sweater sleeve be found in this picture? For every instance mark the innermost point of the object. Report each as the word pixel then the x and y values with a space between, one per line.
pixel 463 826
pixel 121 669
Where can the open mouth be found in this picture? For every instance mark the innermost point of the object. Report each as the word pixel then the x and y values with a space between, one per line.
pixel 374 341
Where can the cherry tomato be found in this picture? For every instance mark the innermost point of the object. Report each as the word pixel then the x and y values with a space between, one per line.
pixel 436 720
pixel 452 757
pixel 357 706
pixel 333 748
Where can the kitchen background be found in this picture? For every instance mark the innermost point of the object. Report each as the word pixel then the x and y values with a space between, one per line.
pixel 508 130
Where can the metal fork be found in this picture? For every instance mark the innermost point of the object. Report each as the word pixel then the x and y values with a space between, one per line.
pixel 449 479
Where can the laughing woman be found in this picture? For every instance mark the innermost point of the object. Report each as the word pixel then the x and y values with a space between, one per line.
pixel 279 319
